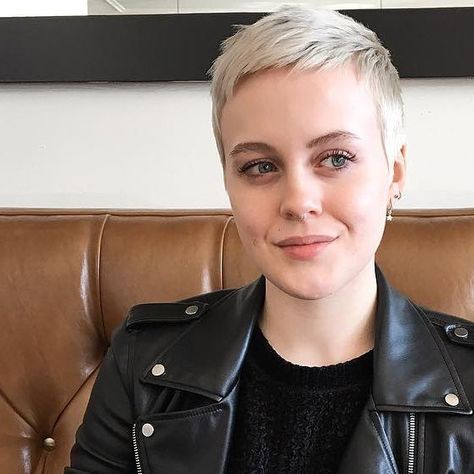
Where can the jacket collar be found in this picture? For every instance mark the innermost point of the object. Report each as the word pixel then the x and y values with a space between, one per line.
pixel 207 358
pixel 412 368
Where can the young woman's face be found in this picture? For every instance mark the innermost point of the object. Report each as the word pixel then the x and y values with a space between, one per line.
pixel 304 157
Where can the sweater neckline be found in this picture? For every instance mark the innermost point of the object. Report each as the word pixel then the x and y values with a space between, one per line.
pixel 357 371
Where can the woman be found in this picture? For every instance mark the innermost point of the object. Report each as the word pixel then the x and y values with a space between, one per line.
pixel 318 366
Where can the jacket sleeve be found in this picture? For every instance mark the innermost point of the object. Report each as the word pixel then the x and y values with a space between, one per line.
pixel 104 439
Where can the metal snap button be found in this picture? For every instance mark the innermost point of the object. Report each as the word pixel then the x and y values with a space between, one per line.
pixel 461 332
pixel 147 430
pixel 193 309
pixel 49 444
pixel 158 369
pixel 452 399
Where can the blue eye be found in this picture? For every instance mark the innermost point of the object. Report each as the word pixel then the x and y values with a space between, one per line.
pixel 262 166
pixel 339 159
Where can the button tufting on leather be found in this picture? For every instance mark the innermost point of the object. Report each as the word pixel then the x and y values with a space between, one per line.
pixel 158 369
pixel 49 444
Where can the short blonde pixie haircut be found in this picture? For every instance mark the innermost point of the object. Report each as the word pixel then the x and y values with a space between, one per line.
pixel 304 39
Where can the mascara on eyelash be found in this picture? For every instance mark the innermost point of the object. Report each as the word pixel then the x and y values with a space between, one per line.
pixel 250 164
pixel 347 156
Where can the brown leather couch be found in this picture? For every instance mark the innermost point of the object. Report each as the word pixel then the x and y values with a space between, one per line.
pixel 69 277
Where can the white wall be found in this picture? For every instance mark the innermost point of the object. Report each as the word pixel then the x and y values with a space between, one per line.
pixel 151 145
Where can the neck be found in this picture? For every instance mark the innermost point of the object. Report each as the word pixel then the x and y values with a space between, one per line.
pixel 326 331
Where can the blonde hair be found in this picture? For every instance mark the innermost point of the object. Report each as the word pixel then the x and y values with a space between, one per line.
pixel 304 39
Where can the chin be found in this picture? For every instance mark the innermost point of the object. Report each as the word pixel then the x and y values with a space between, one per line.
pixel 309 294
pixel 302 287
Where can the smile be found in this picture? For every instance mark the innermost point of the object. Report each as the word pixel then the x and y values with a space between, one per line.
pixel 305 251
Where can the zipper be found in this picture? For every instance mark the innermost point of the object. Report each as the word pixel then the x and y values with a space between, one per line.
pixel 135 449
pixel 411 443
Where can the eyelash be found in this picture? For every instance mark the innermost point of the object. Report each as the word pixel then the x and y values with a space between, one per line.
pixel 348 157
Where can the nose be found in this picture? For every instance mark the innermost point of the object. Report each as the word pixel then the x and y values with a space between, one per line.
pixel 301 197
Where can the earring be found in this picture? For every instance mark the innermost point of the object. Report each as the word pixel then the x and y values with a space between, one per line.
pixel 389 209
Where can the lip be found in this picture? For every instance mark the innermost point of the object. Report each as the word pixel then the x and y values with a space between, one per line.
pixel 305 240
pixel 317 244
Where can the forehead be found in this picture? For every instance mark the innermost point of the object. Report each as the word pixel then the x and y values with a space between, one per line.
pixel 299 104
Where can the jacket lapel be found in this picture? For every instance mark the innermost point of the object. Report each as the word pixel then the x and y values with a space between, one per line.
pixel 207 358
pixel 368 450
pixel 412 368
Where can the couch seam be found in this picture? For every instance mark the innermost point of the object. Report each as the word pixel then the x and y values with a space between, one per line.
pixel 223 238
pixel 73 396
pixel 99 279
pixel 17 411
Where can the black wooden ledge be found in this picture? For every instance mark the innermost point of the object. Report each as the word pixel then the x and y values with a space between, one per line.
pixel 424 42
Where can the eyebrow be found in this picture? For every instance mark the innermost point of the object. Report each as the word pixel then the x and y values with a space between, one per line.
pixel 262 147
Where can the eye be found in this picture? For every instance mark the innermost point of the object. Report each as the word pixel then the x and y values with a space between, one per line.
pixel 339 159
pixel 260 167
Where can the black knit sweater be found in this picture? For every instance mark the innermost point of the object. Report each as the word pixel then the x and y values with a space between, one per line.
pixel 295 419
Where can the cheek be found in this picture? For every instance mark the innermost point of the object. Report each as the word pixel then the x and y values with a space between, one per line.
pixel 368 218
pixel 251 211
pixel 365 204
pixel 248 220
pixel 250 231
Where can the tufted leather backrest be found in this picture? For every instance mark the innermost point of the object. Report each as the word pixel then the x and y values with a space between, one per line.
pixel 68 278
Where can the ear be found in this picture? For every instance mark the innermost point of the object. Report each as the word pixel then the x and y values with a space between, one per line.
pixel 399 172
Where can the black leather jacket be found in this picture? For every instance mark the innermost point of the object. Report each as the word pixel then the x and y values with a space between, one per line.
pixel 418 418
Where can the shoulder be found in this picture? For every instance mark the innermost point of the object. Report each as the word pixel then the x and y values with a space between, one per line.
pixel 454 329
pixel 457 344
pixel 183 310
pixel 149 328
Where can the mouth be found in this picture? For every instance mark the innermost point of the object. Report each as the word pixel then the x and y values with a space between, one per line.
pixel 306 251
pixel 305 240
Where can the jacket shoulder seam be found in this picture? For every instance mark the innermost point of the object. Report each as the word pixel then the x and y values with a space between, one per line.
pixel 440 318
